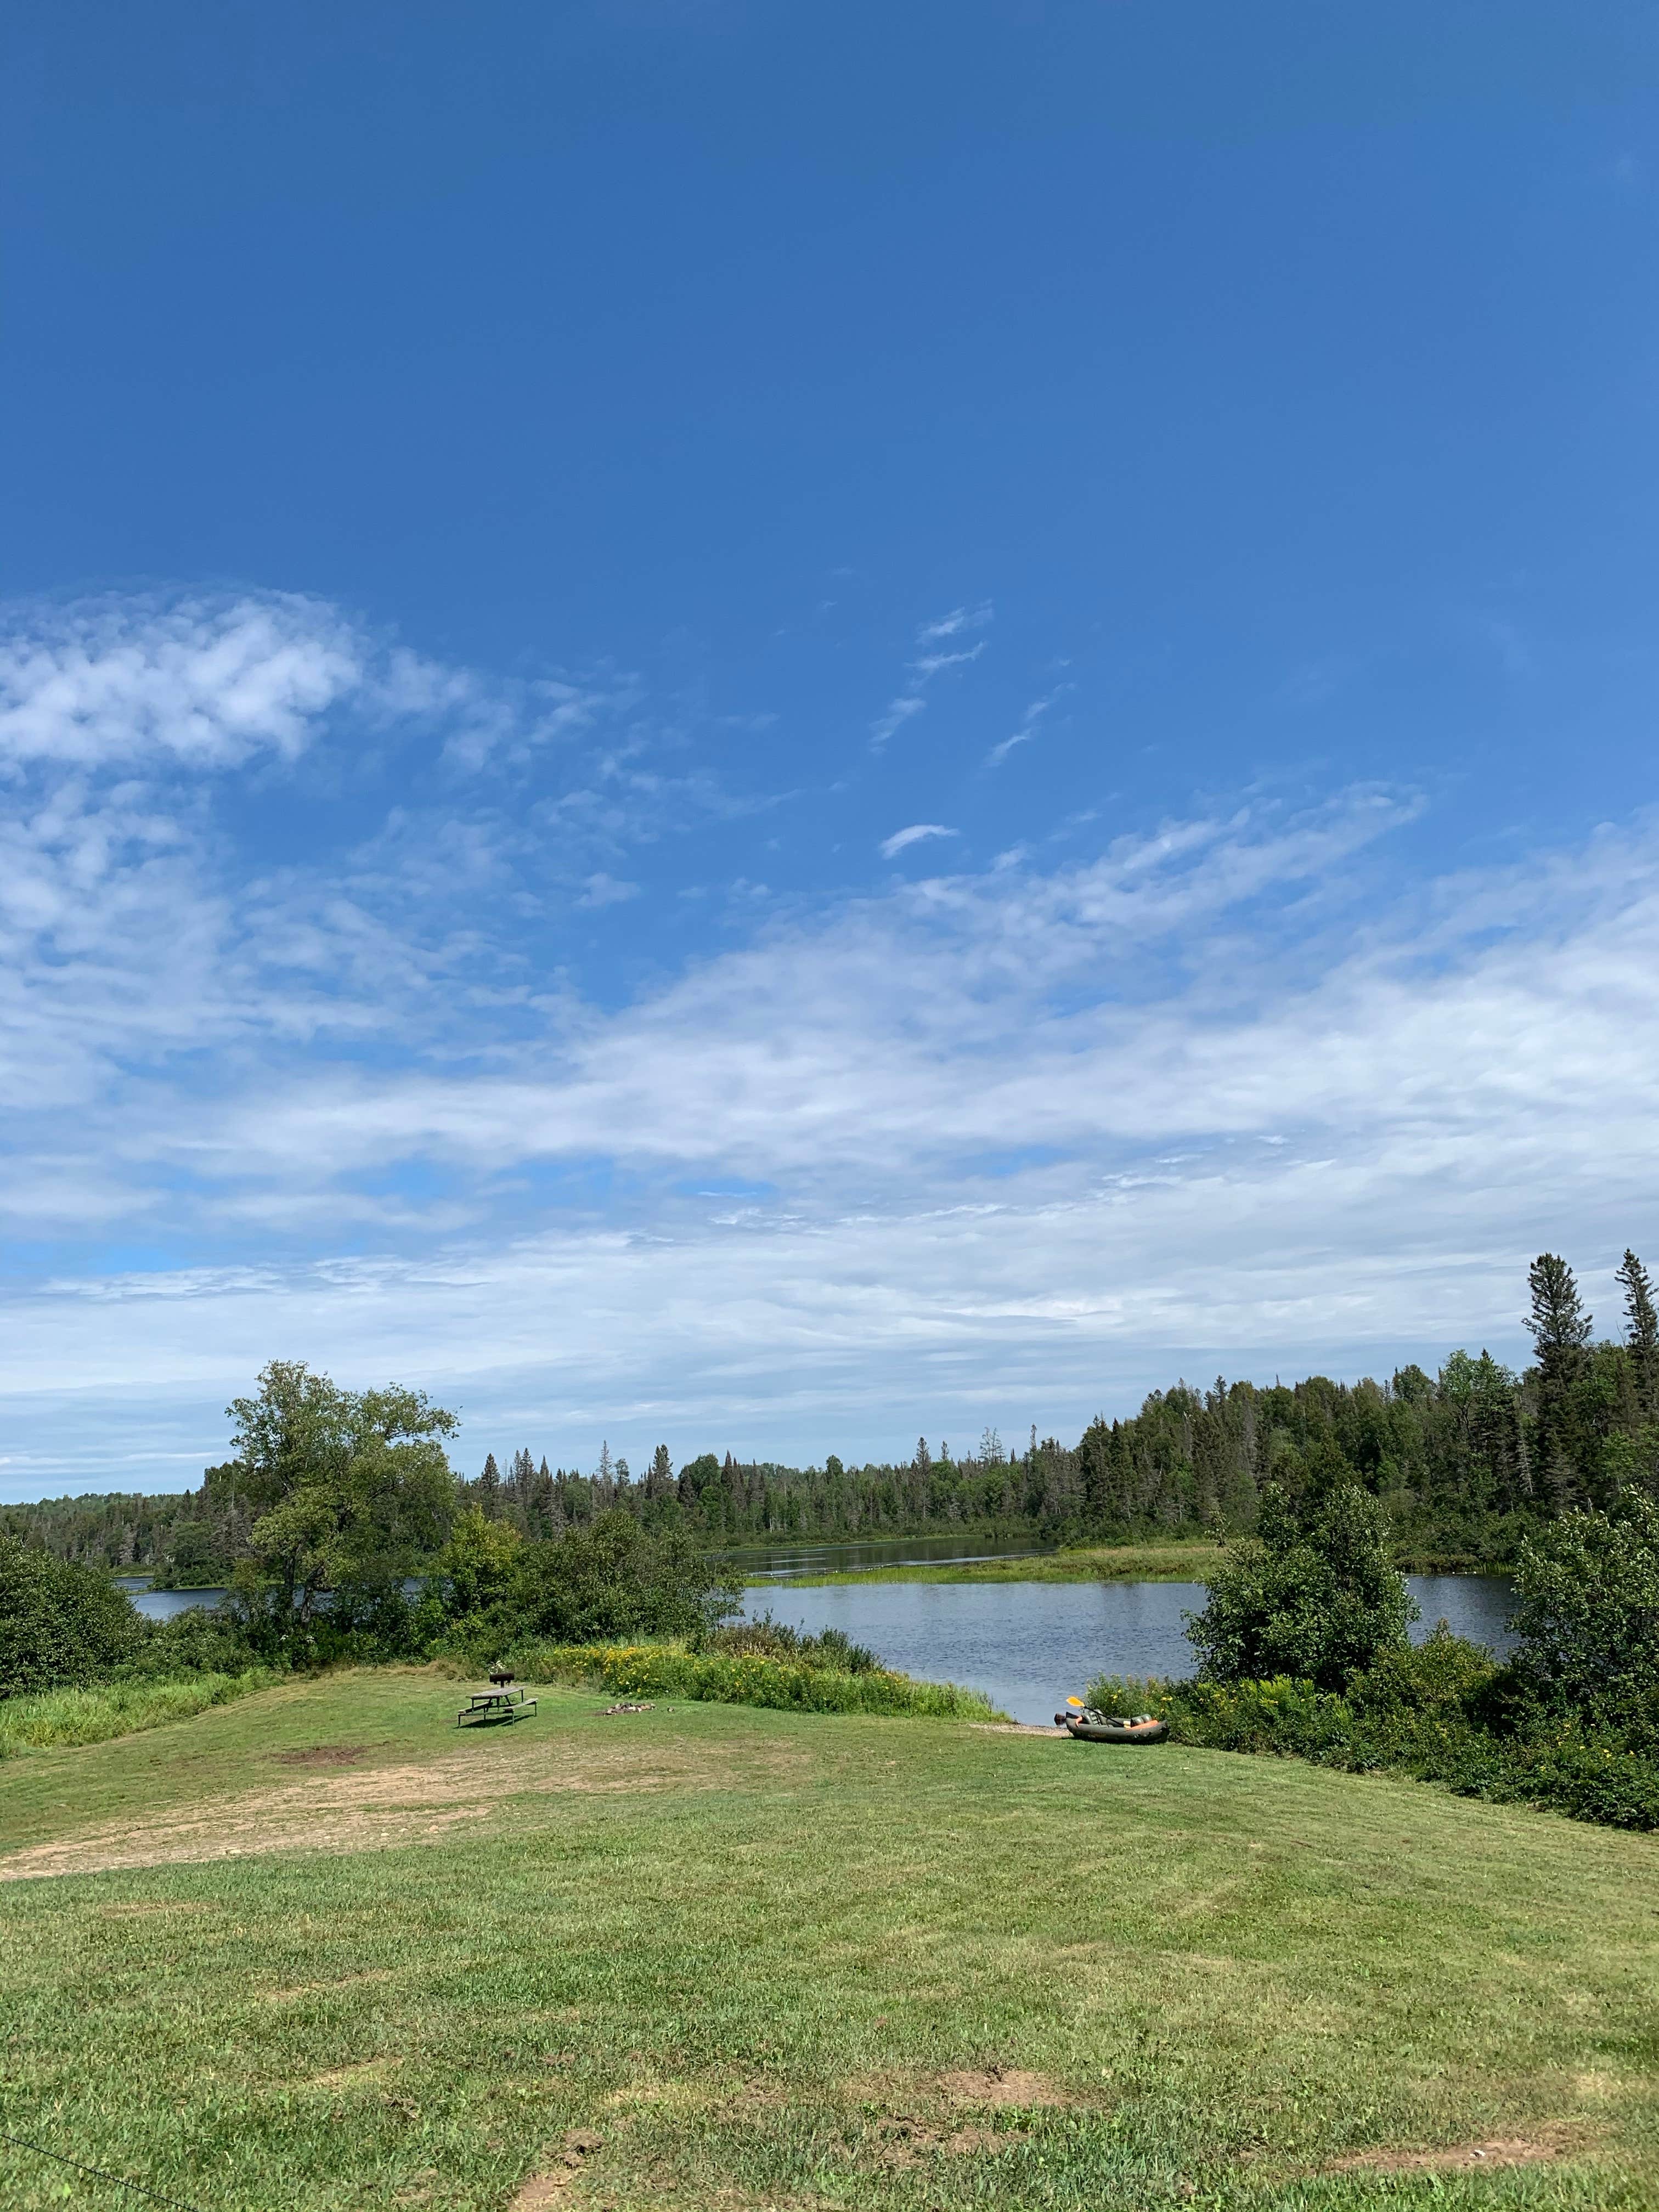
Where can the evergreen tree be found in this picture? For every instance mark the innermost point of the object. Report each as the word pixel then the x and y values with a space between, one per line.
pixel 1560 1330
pixel 660 1482
pixel 1558 1323
pixel 490 1488
pixel 1641 1332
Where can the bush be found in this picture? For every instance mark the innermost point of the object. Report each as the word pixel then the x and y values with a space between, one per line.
pixel 613 1578
pixel 1417 1713
pixel 1318 1597
pixel 830 1648
pixel 666 1670
pixel 194 1642
pixel 59 1623
pixel 1589 1619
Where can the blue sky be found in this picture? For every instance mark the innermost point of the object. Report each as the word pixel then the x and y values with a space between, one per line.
pixel 769 726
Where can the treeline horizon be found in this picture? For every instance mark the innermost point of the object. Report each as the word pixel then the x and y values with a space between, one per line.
pixel 1463 1463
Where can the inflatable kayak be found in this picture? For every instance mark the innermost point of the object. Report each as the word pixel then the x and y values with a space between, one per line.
pixel 1090 1727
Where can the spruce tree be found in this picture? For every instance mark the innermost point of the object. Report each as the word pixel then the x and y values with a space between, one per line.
pixel 490 1488
pixel 1558 1323
pixel 1641 1332
pixel 1560 1328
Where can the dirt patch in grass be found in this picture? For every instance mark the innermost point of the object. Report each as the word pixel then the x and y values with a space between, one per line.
pixel 375 1808
pixel 325 1754
pixel 547 2186
pixel 1460 2158
pixel 1000 2086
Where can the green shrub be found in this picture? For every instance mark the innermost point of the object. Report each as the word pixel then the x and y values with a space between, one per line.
pixel 1418 1714
pixel 776 1639
pixel 1318 1596
pixel 193 1642
pixel 614 1578
pixel 59 1623
pixel 667 1670
pixel 1589 1619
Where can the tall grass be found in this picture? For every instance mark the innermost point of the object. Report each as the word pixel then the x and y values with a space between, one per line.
pixel 666 1670
pixel 53 1719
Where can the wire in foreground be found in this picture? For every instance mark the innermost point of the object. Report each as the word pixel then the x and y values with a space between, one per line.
pixel 99 2173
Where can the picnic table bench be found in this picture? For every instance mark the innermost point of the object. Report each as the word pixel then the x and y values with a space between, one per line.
pixel 496 1705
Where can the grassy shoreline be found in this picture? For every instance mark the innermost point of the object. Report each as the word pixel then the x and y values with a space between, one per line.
pixel 317 1948
pixel 1163 1563
pixel 1179 1560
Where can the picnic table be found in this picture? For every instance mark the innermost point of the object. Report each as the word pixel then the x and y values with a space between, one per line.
pixel 500 1704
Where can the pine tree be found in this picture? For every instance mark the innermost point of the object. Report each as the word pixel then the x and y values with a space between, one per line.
pixel 1558 1323
pixel 490 1488
pixel 1641 1332
pixel 659 1483
pixel 1560 1328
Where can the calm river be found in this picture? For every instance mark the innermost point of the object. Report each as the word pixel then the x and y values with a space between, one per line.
pixel 1027 1645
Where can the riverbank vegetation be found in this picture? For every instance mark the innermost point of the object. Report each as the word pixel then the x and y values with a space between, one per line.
pixel 1304 1651
pixel 1465 1462
pixel 332 1955
pixel 1187 1561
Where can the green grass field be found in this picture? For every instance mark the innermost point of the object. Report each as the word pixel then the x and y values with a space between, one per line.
pixel 1140 1563
pixel 315 1949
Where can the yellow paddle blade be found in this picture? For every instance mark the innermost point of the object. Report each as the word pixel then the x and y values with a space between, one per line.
pixel 1078 1702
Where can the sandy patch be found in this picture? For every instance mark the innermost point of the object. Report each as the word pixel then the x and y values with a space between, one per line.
pixel 325 1754
pixel 1459 2158
pixel 546 2187
pixel 908 2142
pixel 1021 1727
pixel 1000 2086
pixel 379 1808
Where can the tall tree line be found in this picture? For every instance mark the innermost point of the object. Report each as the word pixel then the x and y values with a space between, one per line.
pixel 1463 1461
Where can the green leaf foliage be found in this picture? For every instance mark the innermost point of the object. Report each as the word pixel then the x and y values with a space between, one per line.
pixel 1317 1597
pixel 59 1623
pixel 351 1493
pixel 616 1577
pixel 1588 1617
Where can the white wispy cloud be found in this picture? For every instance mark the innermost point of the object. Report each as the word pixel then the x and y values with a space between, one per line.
pixel 920 671
pixel 1028 726
pixel 930 664
pixel 1241 1090
pixel 954 623
pixel 601 889
pixel 891 847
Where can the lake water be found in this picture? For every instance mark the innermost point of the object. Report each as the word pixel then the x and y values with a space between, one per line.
pixel 162 1605
pixel 1029 1645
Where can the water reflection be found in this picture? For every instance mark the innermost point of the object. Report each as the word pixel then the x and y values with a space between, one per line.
pixel 775 1559
pixel 1028 1644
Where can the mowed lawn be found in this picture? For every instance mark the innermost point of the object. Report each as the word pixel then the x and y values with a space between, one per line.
pixel 711 1956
